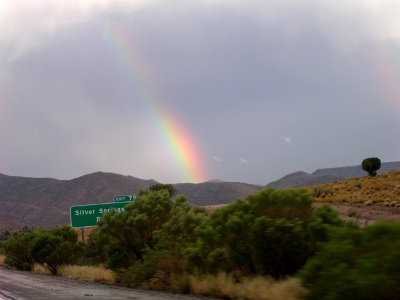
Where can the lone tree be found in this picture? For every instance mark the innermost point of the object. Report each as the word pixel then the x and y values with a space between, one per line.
pixel 371 165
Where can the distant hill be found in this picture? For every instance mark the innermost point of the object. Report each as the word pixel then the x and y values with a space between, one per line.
pixel 44 202
pixel 26 201
pixel 328 175
pixel 210 193
pixel 298 179
pixel 356 171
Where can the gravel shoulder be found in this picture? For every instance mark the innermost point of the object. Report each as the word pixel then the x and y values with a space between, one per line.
pixel 19 285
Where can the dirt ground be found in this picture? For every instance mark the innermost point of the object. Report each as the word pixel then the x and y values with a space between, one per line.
pixel 364 215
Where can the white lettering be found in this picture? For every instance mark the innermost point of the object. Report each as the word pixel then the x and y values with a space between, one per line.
pixel 80 212
pixel 104 210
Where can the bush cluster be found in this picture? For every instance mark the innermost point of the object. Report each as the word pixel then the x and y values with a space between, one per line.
pixel 161 243
pixel 272 233
pixel 50 248
pixel 359 264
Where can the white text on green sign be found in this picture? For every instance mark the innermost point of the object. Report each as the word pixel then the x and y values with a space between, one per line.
pixel 124 198
pixel 89 215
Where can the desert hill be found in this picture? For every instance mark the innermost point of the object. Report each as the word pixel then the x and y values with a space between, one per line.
pixel 26 201
pixel 327 175
pixel 46 201
pixel 356 171
pixel 362 199
pixel 298 179
pixel 210 193
pixel 29 202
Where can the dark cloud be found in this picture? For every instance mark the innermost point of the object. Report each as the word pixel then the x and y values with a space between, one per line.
pixel 264 88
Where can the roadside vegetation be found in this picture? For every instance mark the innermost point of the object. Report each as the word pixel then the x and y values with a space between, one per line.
pixel 273 245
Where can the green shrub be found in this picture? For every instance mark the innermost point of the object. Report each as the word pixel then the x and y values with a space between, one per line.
pixel 17 252
pixel 279 246
pixel 287 203
pixel 223 242
pixel 55 247
pixel 359 264
pixel 319 192
pixel 273 233
pixel 49 247
pixel 152 229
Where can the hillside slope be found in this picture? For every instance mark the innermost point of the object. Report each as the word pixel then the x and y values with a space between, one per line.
pixel 362 199
pixel 209 193
pixel 356 171
pixel 298 179
pixel 46 201
pixel 28 201
pixel 327 175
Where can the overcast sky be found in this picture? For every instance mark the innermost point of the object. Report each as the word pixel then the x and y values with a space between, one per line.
pixel 189 91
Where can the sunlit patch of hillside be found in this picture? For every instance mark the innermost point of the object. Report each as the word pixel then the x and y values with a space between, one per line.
pixel 380 190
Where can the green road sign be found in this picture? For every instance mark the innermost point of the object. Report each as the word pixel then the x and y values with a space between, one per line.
pixel 88 215
pixel 124 198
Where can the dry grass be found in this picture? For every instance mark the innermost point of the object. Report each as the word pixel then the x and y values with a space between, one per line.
pixel 86 231
pixel 2 257
pixel 256 288
pixel 380 190
pixel 39 269
pixel 90 273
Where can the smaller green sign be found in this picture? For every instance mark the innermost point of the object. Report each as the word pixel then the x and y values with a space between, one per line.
pixel 124 198
pixel 88 215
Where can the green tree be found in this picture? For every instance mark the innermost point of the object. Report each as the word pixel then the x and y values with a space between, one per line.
pixel 159 186
pixel 55 247
pixel 287 203
pixel 268 234
pixel 123 237
pixel 223 242
pixel 145 243
pixel 273 233
pixel 279 246
pixel 359 264
pixel 17 252
pixel 164 261
pixel 49 247
pixel 371 165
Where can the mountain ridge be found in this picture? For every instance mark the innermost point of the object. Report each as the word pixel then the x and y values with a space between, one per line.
pixel 43 202
pixel 327 175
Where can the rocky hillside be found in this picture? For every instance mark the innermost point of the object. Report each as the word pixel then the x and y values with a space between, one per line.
pixel 356 171
pixel 298 179
pixel 46 202
pixel 328 175
pixel 210 193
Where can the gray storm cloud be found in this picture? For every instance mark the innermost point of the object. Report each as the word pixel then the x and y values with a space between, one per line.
pixel 240 75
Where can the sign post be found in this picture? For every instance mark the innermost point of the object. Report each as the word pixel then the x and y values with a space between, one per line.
pixel 88 215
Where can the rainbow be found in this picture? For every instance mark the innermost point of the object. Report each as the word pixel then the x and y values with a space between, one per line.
pixel 178 141
pixel 387 66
